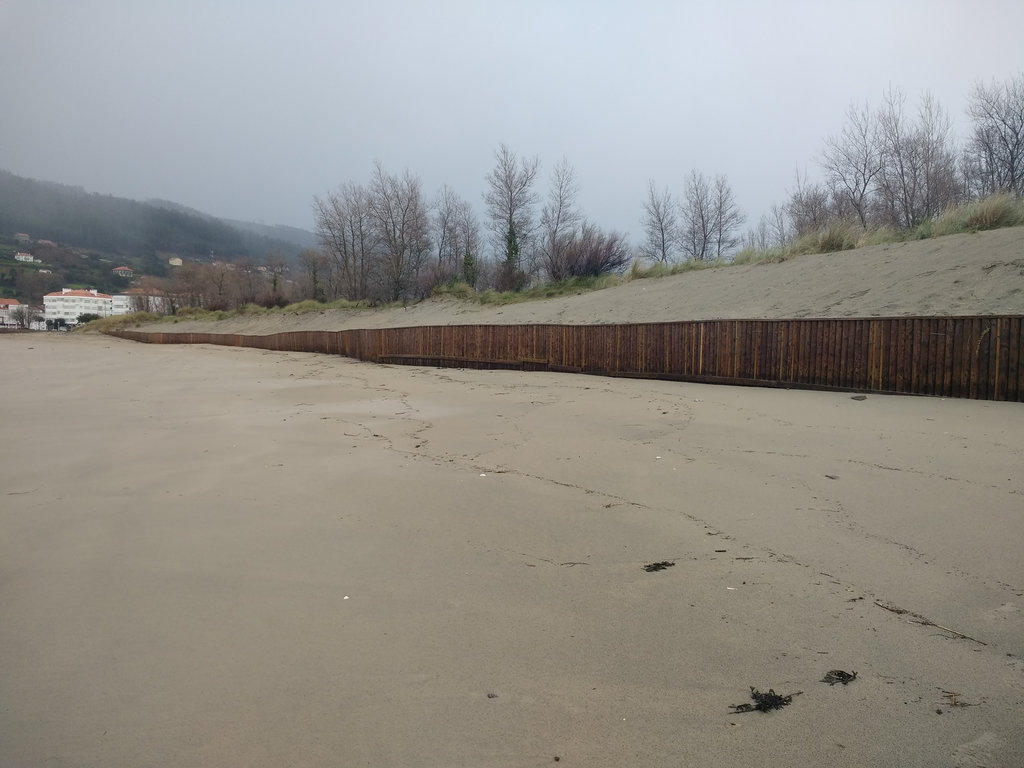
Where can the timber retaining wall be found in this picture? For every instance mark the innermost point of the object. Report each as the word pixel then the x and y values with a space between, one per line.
pixel 972 357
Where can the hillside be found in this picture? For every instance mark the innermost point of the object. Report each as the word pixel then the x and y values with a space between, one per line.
pixel 971 274
pixel 132 230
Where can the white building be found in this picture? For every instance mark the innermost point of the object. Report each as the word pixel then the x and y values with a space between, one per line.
pixel 142 300
pixel 7 306
pixel 68 303
pixel 120 304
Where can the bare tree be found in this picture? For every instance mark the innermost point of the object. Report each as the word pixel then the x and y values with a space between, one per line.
pixel 346 232
pixel 698 218
pixel 472 245
pixel 149 295
pixel 759 238
pixel 187 287
pixel 997 140
pixel 316 265
pixel 938 151
pixel 918 176
pixel 243 278
pixel 278 291
pixel 219 287
pixel 901 167
pixel 510 200
pixel 444 231
pixel 456 233
pixel 593 253
pixel 778 225
pixel 853 161
pixel 402 228
pixel 559 220
pixel 24 316
pixel 727 218
pixel 34 285
pixel 808 208
pixel 660 224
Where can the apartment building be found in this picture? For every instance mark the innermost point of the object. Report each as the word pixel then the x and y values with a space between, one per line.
pixel 68 303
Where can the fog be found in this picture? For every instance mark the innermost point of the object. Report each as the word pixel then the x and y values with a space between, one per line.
pixel 248 109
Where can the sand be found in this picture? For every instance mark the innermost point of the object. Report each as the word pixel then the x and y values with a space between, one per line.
pixel 220 556
pixel 972 274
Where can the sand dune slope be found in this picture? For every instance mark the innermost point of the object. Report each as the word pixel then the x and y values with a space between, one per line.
pixel 975 274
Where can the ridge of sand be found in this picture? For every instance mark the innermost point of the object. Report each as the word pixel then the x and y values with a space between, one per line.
pixel 967 274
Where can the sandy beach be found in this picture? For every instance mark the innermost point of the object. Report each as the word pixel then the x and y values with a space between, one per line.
pixel 228 557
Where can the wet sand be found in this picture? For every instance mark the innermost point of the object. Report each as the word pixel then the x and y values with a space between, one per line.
pixel 229 557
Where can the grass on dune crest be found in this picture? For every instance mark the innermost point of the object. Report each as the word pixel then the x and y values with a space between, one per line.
pixel 993 212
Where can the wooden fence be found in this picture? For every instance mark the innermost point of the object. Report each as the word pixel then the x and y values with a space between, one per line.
pixel 971 357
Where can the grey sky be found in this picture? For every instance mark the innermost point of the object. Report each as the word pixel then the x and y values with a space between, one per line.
pixel 248 108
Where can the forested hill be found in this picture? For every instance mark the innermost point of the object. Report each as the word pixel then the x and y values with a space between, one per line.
pixel 73 217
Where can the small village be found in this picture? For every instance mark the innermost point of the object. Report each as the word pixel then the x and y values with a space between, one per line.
pixel 67 307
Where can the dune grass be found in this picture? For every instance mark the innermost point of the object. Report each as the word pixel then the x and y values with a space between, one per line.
pixel 570 287
pixel 993 212
pixel 644 271
pixel 117 322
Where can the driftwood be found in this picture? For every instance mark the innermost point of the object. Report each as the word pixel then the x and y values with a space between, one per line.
pixel 834 676
pixel 919 619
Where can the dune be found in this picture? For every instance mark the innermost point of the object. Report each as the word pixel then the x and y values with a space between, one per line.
pixel 969 274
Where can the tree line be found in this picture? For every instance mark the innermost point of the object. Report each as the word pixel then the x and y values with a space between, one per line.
pixel 893 167
pixel 385 239
pixel 888 166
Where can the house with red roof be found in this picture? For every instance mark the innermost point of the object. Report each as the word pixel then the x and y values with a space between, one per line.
pixel 6 305
pixel 123 271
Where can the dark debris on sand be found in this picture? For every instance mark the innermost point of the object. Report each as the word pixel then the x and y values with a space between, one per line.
pixel 652 567
pixel 764 702
pixel 834 676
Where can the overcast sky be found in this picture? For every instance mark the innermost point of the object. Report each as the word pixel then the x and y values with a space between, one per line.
pixel 247 109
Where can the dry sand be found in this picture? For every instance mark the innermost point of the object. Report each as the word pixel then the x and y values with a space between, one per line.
pixel 228 557
pixel 975 274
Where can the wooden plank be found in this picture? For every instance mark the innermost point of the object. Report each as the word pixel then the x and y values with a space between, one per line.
pixel 980 357
pixel 1015 359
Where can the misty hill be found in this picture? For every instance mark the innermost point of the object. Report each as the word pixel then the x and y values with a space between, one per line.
pixel 302 238
pixel 134 230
